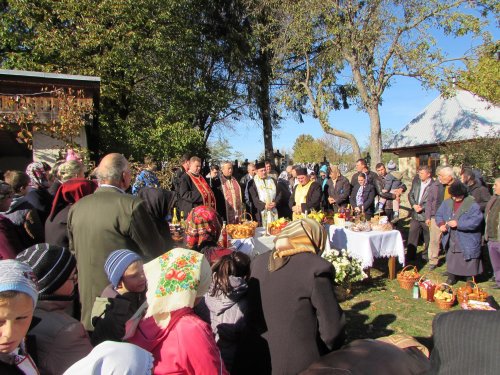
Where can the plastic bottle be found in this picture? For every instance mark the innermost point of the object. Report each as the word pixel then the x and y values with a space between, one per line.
pixel 224 235
pixel 416 291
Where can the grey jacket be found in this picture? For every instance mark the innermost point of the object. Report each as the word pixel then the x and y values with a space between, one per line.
pixel 226 315
pixel 413 197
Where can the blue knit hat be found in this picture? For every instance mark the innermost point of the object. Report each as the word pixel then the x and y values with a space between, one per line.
pixel 117 263
pixel 19 277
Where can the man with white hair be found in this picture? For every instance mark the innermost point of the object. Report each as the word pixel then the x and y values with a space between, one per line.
pixel 105 221
pixel 437 194
pixel 232 207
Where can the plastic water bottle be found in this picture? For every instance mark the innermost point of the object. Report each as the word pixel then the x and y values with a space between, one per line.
pixel 416 291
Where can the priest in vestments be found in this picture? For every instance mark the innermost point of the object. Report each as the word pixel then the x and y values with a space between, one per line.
pixel 194 190
pixel 306 194
pixel 264 195
pixel 232 206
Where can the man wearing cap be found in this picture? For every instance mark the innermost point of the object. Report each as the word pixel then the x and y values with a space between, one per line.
pixel 61 340
pixel 264 195
pixel 105 221
pixel 306 194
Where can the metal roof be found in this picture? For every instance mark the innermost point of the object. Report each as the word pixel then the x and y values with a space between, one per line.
pixel 24 73
pixel 462 117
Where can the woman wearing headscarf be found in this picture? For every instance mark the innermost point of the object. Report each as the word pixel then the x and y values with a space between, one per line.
pixel 39 196
pixel 159 203
pixel 459 219
pixel 292 302
pixel 181 343
pixel 112 357
pixel 203 228
pixel 70 192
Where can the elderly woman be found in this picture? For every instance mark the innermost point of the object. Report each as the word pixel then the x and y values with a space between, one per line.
pixel 181 343
pixel 292 302
pixel 70 192
pixel 459 218
pixel 39 196
pixel 337 189
pixel 203 228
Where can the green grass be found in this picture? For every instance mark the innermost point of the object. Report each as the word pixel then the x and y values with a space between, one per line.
pixel 380 307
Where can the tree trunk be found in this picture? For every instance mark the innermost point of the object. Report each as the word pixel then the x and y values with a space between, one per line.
pixel 339 133
pixel 375 136
pixel 264 103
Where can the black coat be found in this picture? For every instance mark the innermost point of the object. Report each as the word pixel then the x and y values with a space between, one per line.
pixel 313 198
pixel 41 200
pixel 188 195
pixel 295 313
pixel 56 229
pixel 340 192
pixel 480 194
pixel 368 198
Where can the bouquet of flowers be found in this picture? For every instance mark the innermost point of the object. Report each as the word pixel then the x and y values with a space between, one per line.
pixel 347 269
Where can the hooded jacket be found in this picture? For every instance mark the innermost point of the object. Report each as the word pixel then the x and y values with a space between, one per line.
pixel 185 346
pixel 226 315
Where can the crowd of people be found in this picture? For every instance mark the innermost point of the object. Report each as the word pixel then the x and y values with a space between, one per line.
pixel 91 281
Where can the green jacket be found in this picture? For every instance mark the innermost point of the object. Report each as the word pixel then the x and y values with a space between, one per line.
pixel 100 223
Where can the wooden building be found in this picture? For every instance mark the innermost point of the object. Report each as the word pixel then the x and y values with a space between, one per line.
pixel 454 120
pixel 37 89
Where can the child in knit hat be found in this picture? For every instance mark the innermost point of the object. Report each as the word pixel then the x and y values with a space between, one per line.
pixel 61 340
pixel 18 297
pixel 121 300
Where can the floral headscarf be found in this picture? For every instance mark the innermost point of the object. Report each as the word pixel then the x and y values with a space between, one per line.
pixel 36 172
pixel 300 236
pixel 175 280
pixel 202 225
pixel 145 179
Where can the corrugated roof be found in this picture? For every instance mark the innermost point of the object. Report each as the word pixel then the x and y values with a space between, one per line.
pixel 25 73
pixel 461 117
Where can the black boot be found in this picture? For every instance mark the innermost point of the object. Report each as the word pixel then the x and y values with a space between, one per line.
pixel 451 280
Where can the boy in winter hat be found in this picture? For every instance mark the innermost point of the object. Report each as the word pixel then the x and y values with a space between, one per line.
pixel 18 298
pixel 61 340
pixel 120 300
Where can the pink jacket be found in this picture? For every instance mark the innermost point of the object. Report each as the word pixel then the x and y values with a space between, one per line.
pixel 186 346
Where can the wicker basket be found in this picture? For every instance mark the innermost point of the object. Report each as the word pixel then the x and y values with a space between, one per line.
pixel 475 293
pixel 444 305
pixel 406 282
pixel 423 289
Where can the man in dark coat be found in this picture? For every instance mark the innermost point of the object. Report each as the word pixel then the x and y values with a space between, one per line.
pixel 339 188
pixel 364 200
pixel 194 190
pixel 362 167
pixel 417 196
pixel 437 193
pixel 180 171
pixel 306 195
pixel 476 189
pixel 105 221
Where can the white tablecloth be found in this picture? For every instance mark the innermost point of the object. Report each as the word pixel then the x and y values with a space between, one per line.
pixel 258 244
pixel 255 245
pixel 367 245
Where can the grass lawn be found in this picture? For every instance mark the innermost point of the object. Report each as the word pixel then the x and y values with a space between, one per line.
pixel 380 307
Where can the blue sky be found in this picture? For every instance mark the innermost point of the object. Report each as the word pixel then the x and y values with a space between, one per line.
pixel 402 101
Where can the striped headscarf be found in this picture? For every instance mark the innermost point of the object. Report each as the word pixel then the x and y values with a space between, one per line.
pixel 300 236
